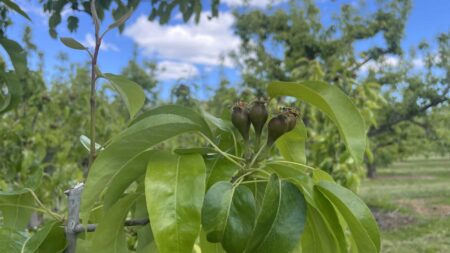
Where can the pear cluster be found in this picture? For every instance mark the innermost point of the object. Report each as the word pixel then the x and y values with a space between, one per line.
pixel 256 115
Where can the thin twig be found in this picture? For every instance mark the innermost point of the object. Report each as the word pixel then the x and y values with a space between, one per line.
pixel 49 212
pixel 92 227
pixel 93 102
pixel 226 155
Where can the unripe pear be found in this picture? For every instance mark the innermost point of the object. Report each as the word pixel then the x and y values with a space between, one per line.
pixel 292 116
pixel 277 127
pixel 240 119
pixel 258 116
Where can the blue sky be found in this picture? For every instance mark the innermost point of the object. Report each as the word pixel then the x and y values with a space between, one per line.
pixel 190 52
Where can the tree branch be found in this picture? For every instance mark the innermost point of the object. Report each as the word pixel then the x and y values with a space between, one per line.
pixel 128 223
pixel 408 116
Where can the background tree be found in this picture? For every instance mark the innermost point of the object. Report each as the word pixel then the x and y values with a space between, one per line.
pixel 305 48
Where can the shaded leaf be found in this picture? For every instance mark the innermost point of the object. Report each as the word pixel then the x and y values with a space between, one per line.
pixel 14 91
pixel 174 190
pixel 121 20
pixel 50 238
pixel 228 215
pixel 209 247
pixel 17 55
pixel 72 43
pixel 16 8
pixel 281 220
pixel 219 169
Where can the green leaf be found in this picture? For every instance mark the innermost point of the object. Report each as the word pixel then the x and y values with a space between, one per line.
pixel 16 206
pixel 292 144
pixel 121 20
pixel 228 215
pixel 219 169
pixel 14 91
pixel 86 142
pixel 281 220
pixel 17 55
pixel 109 236
pixel 72 43
pixel 209 247
pixel 124 177
pixel 177 110
pixel 50 238
pixel 16 8
pixel 174 190
pixel 16 209
pixel 322 225
pixel 360 220
pixel 132 94
pixel 130 143
pixel 324 240
pixel 11 240
pixel 335 104
pixel 223 125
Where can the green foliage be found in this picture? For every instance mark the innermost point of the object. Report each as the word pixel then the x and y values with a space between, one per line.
pixel 335 104
pixel 109 235
pixel 161 10
pixel 270 217
pixel 174 191
pixel 228 215
pixel 131 92
pixel 50 238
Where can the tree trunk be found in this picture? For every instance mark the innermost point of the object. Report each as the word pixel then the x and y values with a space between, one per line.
pixel 371 170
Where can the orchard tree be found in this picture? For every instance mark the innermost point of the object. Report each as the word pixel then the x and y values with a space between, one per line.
pixel 308 49
pixel 413 94
pixel 230 191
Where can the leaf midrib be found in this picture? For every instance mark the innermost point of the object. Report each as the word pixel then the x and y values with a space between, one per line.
pixel 276 215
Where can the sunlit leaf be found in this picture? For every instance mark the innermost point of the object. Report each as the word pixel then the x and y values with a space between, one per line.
pixel 130 143
pixel 132 94
pixel 334 103
pixel 292 144
pixel 109 235
pixel 174 190
pixel 124 177
pixel 360 220
pixel 11 240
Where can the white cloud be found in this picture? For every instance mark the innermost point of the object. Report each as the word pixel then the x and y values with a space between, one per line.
pixel 202 43
pixel 418 62
pixel 89 41
pixel 170 70
pixel 252 3
pixel 390 61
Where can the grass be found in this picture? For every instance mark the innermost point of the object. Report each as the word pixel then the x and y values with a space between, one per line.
pixel 417 192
